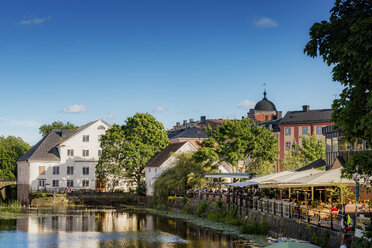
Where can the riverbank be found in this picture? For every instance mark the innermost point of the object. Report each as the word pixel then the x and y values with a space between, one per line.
pixel 223 228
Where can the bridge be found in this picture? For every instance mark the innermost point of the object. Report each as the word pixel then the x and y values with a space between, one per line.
pixel 4 184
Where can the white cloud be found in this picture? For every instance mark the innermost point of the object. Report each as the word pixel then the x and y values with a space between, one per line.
pixel 111 117
pixel 20 123
pixel 158 109
pixel 246 104
pixel 75 109
pixel 35 20
pixel 265 22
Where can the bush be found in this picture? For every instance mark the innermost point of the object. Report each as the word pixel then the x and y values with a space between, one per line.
pixel 202 207
pixel 255 228
pixel 13 206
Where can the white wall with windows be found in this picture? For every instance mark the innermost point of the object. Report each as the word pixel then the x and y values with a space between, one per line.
pixel 79 155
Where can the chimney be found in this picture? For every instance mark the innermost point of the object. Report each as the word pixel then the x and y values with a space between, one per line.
pixel 185 123
pixel 191 120
pixel 305 108
pixel 178 124
pixel 279 114
pixel 203 119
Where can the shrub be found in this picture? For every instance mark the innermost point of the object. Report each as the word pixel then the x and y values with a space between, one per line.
pixel 255 227
pixel 202 207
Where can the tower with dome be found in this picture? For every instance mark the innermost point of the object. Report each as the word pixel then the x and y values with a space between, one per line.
pixel 264 110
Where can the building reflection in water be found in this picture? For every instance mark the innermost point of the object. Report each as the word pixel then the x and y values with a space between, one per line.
pixel 112 228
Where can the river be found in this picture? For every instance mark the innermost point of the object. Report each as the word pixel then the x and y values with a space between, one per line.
pixel 70 228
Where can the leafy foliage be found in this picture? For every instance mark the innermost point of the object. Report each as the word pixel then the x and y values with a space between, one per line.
pixel 235 141
pixel 126 149
pixel 46 128
pixel 176 180
pixel 11 149
pixel 341 193
pixel 345 42
pixel 359 167
pixel 309 151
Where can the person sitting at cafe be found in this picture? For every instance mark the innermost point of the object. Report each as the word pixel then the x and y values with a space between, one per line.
pixel 334 209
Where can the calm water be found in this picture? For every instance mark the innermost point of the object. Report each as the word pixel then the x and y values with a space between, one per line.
pixel 109 228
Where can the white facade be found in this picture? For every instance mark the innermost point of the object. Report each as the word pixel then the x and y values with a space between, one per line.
pixel 153 172
pixel 78 155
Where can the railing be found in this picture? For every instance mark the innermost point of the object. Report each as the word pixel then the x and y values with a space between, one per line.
pixel 283 209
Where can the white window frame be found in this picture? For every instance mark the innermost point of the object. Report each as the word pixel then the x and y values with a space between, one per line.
pixel 85 138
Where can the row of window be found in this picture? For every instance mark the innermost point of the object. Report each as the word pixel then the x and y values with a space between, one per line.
pixel 70 183
pixel 70 170
pixel 156 170
pixel 85 153
pixel 305 130
pixel 288 145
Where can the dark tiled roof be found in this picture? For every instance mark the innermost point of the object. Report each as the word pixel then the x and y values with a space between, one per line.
pixel 191 133
pixel 46 149
pixel 311 116
pixel 313 165
pixel 161 157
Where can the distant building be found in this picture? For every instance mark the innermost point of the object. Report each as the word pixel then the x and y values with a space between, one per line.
pixel 164 160
pixel 297 123
pixel 195 135
pixel 339 150
pixel 62 159
pixel 264 110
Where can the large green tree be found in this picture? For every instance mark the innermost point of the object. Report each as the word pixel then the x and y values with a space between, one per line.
pixel 46 128
pixel 308 151
pixel 240 140
pixel 345 43
pixel 11 149
pixel 126 149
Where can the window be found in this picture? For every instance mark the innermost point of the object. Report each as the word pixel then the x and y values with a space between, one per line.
pixel 55 183
pixel 99 153
pixel 266 118
pixel 41 183
pixel 287 145
pixel 101 127
pixel 70 152
pixel 287 131
pixel 85 153
pixel 149 170
pixel 305 130
pixel 55 170
pixel 70 183
pixel 41 170
pixel 319 130
pixel 156 170
pixel 70 170
pixel 85 170
pixel 270 127
pixel 85 183
pixel 85 138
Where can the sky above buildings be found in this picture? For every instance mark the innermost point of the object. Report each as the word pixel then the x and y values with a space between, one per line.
pixel 79 61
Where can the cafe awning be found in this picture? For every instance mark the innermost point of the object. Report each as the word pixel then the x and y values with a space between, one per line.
pixel 243 184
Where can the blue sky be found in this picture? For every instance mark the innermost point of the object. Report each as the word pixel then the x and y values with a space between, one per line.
pixel 79 61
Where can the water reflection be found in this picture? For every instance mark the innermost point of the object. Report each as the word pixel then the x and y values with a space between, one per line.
pixel 82 228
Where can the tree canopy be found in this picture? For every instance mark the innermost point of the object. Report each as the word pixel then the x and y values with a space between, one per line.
pixel 309 151
pixel 46 128
pixel 11 149
pixel 239 140
pixel 126 149
pixel 345 42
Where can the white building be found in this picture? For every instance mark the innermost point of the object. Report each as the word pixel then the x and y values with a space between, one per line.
pixel 164 160
pixel 62 159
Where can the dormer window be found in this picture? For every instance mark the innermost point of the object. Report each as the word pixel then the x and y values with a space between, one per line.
pixel 85 138
pixel 101 128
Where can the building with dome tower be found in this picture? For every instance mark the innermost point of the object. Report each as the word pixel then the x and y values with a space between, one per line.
pixel 264 111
